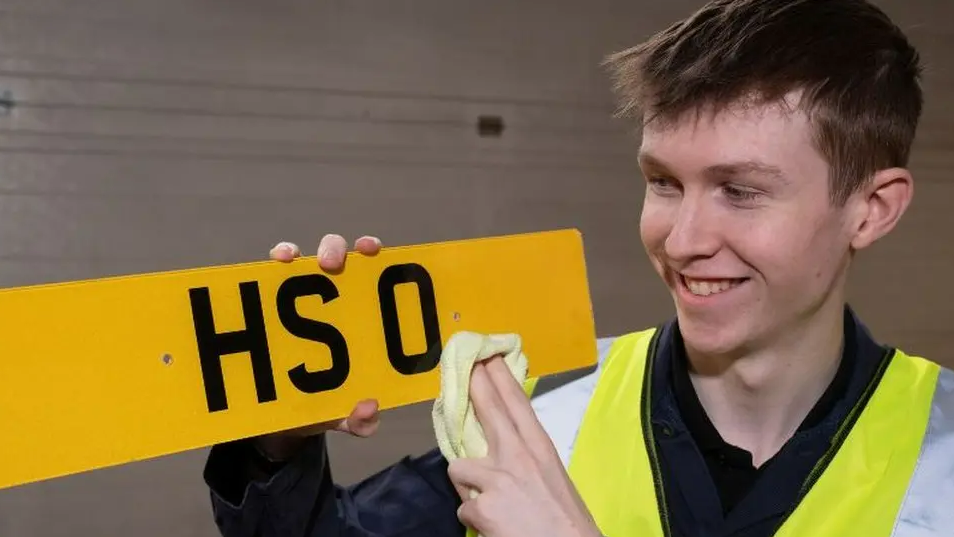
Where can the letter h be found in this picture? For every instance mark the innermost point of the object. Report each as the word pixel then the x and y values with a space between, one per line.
pixel 213 346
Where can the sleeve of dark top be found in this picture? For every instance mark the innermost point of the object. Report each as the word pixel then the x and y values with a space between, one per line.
pixel 411 498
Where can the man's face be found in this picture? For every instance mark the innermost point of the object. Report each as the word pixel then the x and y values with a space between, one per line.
pixel 738 223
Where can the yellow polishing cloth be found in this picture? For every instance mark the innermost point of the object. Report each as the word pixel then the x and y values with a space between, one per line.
pixel 458 433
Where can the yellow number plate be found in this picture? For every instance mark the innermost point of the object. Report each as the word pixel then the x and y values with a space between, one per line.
pixel 113 370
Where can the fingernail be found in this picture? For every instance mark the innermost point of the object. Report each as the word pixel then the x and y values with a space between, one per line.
pixel 284 246
pixel 322 250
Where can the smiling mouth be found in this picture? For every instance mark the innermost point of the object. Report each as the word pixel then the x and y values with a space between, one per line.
pixel 710 287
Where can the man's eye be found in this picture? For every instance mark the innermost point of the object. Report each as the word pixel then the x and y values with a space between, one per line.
pixel 736 193
pixel 663 184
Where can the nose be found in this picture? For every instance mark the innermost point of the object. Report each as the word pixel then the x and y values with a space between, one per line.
pixel 694 233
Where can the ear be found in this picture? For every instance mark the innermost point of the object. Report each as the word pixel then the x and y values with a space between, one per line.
pixel 885 199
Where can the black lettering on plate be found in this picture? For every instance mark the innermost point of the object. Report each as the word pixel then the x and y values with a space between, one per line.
pixel 213 345
pixel 302 327
pixel 391 278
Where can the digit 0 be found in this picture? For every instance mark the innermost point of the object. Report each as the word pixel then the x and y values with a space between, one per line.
pixel 391 277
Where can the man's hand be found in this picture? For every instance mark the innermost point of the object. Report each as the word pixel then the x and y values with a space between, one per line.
pixel 363 421
pixel 523 489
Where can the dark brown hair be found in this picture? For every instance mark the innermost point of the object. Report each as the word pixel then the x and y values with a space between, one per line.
pixel 859 75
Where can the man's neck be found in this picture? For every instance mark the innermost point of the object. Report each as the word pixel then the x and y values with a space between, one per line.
pixel 758 400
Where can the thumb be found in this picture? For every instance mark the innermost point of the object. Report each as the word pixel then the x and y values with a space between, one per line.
pixel 363 421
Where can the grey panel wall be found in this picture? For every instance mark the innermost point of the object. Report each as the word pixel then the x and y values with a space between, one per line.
pixel 157 135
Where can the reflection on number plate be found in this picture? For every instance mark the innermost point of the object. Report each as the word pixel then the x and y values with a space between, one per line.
pixel 109 371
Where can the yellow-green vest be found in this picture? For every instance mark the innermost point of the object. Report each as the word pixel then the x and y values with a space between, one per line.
pixel 890 473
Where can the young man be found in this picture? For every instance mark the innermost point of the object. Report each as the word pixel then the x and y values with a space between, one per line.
pixel 775 142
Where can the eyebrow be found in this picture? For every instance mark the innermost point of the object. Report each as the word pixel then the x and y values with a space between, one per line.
pixel 745 167
pixel 725 170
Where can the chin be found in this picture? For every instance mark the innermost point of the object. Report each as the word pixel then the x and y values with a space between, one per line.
pixel 715 337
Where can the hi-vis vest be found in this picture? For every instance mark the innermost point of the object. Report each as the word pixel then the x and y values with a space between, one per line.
pixel 889 472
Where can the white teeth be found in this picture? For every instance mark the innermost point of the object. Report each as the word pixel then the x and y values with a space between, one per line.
pixel 710 287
